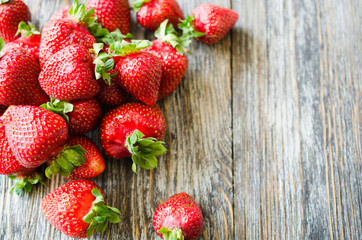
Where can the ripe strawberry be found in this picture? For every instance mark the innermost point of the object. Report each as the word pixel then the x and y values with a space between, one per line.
pixel 30 38
pixel 85 116
pixel 213 21
pixel 78 209
pixel 123 130
pixel 94 162
pixel 151 13
pixel 12 12
pixel 112 14
pixel 178 218
pixel 60 33
pixel 19 73
pixel 139 72
pixel 68 74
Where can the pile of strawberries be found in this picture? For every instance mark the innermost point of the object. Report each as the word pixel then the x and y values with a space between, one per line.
pixel 85 71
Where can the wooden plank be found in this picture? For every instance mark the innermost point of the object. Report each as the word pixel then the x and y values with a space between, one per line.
pixel 296 119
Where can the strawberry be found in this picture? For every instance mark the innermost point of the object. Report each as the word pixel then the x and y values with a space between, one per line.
pixel 112 14
pixel 139 72
pixel 85 116
pixel 60 33
pixel 178 218
pixel 151 13
pixel 134 129
pixel 94 162
pixel 19 73
pixel 30 38
pixel 78 209
pixel 12 12
pixel 68 74
pixel 209 23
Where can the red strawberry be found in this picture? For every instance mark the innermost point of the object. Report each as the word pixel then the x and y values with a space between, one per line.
pixel 60 33
pixel 112 14
pixel 178 218
pixel 94 162
pixel 69 74
pixel 151 13
pixel 30 39
pixel 78 209
pixel 85 116
pixel 213 21
pixel 123 130
pixel 60 14
pixel 12 12
pixel 139 72
pixel 19 73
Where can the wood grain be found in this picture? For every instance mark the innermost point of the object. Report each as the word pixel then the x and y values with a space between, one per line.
pixel 264 132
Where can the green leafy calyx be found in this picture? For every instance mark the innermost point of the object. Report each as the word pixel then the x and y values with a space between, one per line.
pixel 80 14
pixel 100 214
pixel 2 46
pixel 4 1
pixel 59 107
pixel 188 29
pixel 27 30
pixel 66 161
pixel 124 48
pixel 103 63
pixel 25 183
pixel 174 234
pixel 144 150
pixel 137 4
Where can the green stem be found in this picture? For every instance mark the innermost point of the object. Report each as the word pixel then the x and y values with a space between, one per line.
pixel 173 234
pixel 25 183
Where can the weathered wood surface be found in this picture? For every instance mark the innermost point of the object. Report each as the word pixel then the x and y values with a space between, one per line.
pixel 264 132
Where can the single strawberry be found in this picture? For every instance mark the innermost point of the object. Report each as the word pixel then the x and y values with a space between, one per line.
pixel 19 73
pixel 151 13
pixel 29 39
pixel 68 74
pixel 60 14
pixel 60 33
pixel 178 218
pixel 78 209
pixel 139 72
pixel 12 12
pixel 209 23
pixel 94 162
pixel 134 129
pixel 112 14
pixel 85 116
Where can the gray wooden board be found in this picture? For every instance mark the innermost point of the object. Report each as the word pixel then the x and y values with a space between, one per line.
pixel 264 132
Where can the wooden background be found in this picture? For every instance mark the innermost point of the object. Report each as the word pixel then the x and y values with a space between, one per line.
pixel 264 132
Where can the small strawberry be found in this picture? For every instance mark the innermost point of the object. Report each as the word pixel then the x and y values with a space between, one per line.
pixel 12 12
pixel 178 218
pixel 30 38
pixel 19 73
pixel 134 129
pixel 213 21
pixel 78 209
pixel 151 13
pixel 85 116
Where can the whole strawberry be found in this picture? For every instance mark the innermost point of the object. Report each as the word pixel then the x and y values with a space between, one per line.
pixel 112 14
pixel 12 12
pixel 85 116
pixel 134 129
pixel 19 73
pixel 29 39
pixel 78 209
pixel 211 20
pixel 151 13
pixel 178 218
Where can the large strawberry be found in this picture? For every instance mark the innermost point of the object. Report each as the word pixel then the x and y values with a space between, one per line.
pixel 69 74
pixel 78 209
pixel 19 73
pixel 151 13
pixel 178 218
pixel 134 129
pixel 29 39
pixel 211 20
pixel 60 33
pixel 12 12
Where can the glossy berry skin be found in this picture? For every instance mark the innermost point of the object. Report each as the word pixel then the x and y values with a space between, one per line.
pixel 174 66
pixel 85 116
pixel 154 12
pixel 19 72
pixel 112 95
pixel 213 20
pixel 140 75
pixel 66 206
pixel 112 14
pixel 30 44
pixel 60 33
pixel 182 212
pixel 94 164
pixel 11 14
pixel 121 122
pixel 34 134
pixel 60 14
pixel 69 74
